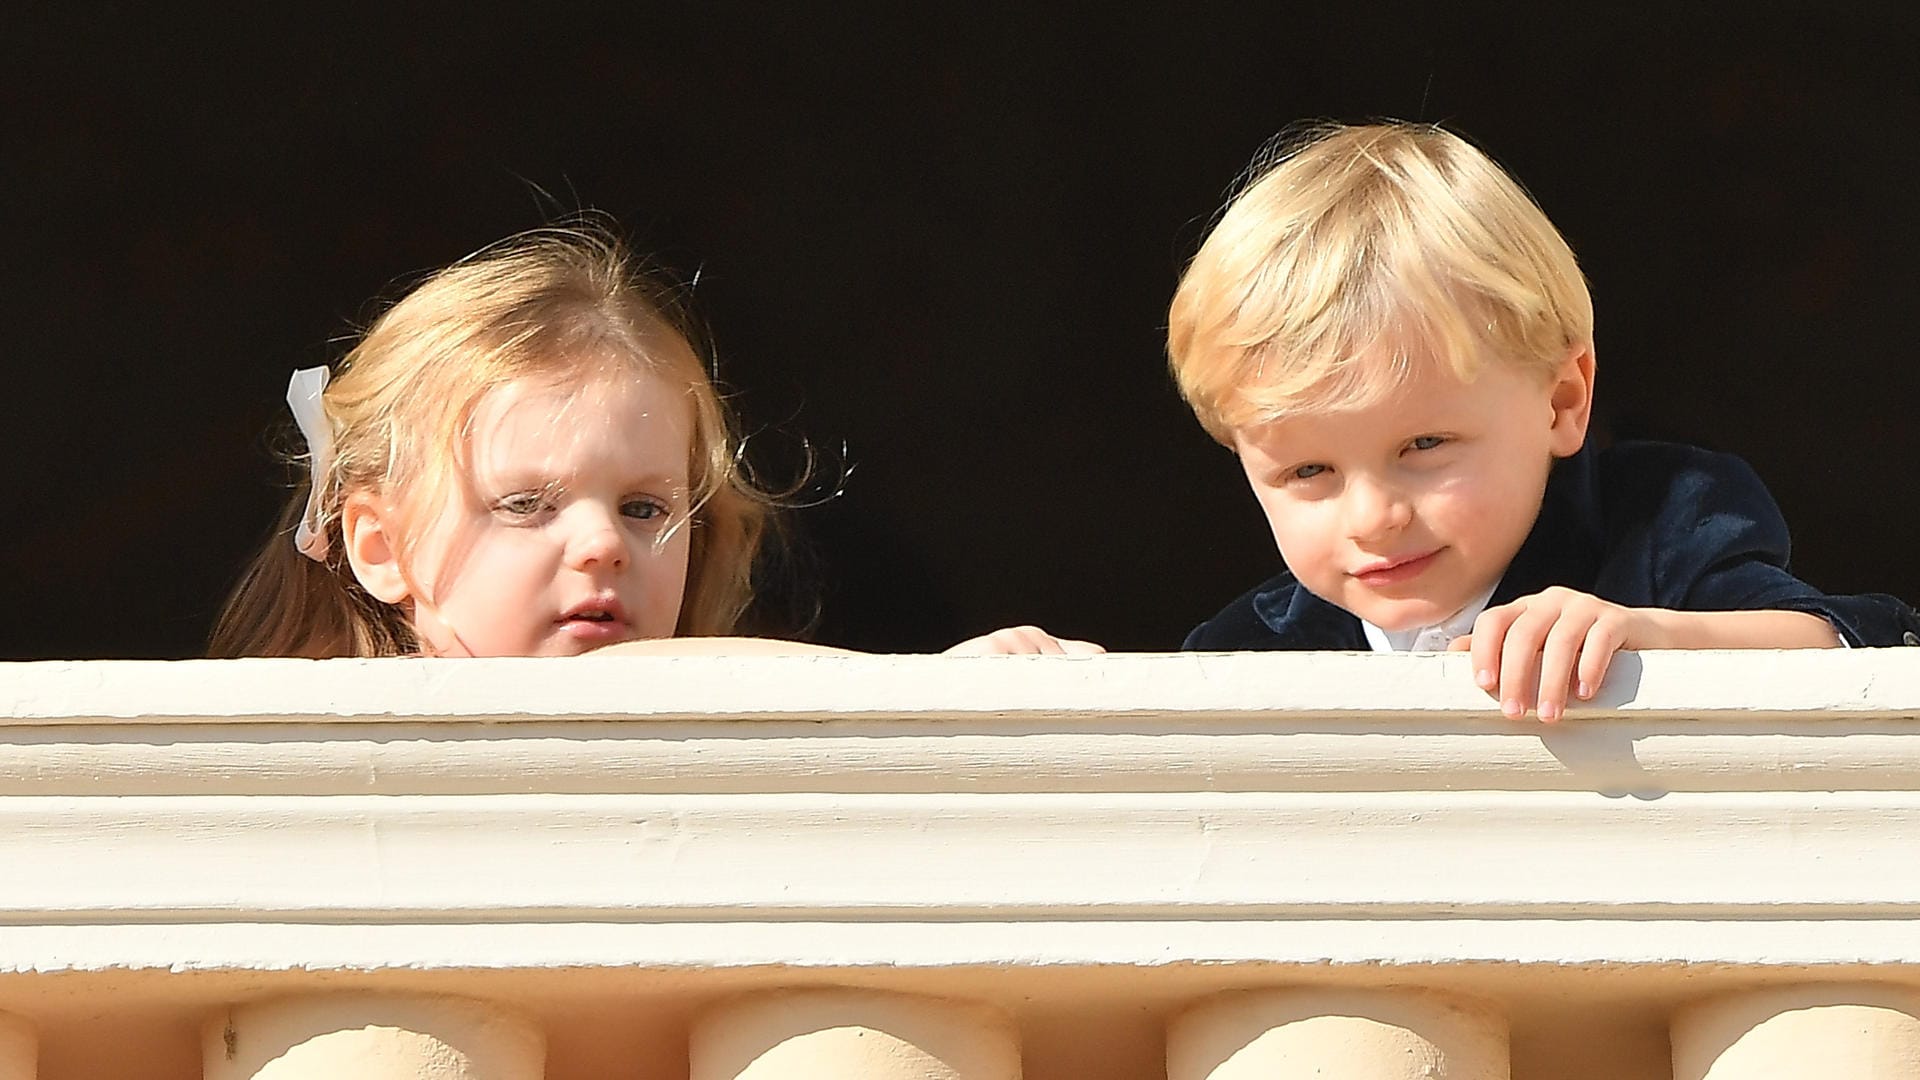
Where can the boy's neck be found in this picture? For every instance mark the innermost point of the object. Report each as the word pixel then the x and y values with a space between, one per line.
pixel 1433 638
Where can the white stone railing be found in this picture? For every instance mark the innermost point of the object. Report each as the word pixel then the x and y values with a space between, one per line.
pixel 1191 867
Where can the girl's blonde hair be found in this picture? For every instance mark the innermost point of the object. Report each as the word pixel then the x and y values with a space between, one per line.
pixel 562 305
pixel 1354 252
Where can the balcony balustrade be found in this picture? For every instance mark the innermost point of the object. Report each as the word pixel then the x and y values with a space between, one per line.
pixel 1151 867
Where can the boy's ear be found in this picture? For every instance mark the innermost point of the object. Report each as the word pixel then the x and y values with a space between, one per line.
pixel 1571 399
pixel 368 529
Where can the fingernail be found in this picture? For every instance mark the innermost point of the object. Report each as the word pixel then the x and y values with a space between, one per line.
pixel 1511 707
pixel 1584 691
pixel 1549 713
pixel 1484 678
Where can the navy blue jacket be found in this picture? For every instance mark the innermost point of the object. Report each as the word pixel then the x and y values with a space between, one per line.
pixel 1640 524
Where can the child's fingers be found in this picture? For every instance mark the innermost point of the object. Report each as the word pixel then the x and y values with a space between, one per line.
pixel 1028 641
pixel 1031 640
pixel 1520 660
pixel 1603 640
pixel 1557 659
pixel 998 643
pixel 1489 634
pixel 1074 647
pixel 1022 641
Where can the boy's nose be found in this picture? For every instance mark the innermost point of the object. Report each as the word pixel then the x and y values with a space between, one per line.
pixel 595 539
pixel 1374 509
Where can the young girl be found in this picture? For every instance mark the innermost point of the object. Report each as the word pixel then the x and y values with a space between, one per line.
pixel 523 457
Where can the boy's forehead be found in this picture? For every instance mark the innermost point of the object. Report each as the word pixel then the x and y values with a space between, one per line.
pixel 1429 394
pixel 1329 376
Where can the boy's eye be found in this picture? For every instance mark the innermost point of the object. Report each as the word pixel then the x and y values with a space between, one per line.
pixel 644 509
pixel 1306 472
pixel 1427 442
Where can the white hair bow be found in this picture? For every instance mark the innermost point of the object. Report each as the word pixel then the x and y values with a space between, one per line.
pixel 303 397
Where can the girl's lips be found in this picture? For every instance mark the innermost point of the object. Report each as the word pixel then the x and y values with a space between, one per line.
pixel 1388 572
pixel 591 632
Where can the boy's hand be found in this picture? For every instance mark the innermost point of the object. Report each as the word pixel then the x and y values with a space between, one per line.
pixel 1560 639
pixel 1018 640
pixel 1557 640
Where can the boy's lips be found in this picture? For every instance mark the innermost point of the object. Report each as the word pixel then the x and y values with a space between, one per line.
pixel 1393 571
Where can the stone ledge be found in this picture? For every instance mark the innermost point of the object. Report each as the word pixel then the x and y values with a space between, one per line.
pixel 611 845
pixel 1884 682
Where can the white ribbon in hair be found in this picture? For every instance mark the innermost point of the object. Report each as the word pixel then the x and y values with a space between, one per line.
pixel 303 397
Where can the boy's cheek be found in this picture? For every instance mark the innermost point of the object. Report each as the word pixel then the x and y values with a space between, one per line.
pixel 1285 534
pixel 1304 555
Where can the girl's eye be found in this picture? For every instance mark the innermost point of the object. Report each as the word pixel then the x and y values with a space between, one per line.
pixel 1427 442
pixel 522 504
pixel 1306 472
pixel 644 509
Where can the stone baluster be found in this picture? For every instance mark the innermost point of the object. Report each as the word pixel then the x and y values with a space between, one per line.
pixel 1337 1034
pixel 853 1035
pixel 19 1049
pixel 371 1037
pixel 1805 1032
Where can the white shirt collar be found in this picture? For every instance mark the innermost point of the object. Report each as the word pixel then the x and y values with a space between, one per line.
pixel 1434 638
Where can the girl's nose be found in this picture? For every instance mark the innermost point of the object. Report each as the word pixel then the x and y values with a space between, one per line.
pixel 595 538
pixel 1373 509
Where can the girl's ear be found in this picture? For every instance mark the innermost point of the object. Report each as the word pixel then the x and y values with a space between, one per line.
pixel 1571 399
pixel 367 527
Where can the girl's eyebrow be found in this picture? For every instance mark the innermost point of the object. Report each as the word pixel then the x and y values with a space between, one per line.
pixel 656 476
pixel 652 482
pixel 516 480
pixel 656 483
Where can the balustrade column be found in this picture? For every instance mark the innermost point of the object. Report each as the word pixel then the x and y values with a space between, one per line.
pixel 372 1037
pixel 19 1049
pixel 1806 1032
pixel 1339 1035
pixel 853 1035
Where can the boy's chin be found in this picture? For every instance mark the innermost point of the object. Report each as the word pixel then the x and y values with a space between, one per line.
pixel 1397 615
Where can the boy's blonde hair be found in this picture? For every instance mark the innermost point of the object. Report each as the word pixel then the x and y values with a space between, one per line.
pixel 1356 252
pixel 566 306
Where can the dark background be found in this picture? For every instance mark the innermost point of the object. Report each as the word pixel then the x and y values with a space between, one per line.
pixel 944 238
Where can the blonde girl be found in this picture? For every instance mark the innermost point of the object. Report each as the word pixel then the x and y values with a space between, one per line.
pixel 523 456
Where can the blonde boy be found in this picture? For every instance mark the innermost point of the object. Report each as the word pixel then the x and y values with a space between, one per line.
pixel 1398 346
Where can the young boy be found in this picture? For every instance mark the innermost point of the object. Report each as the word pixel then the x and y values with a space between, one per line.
pixel 1399 347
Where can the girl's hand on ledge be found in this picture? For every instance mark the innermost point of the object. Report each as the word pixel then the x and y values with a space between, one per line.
pixel 1014 640
pixel 719 646
pixel 1023 640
